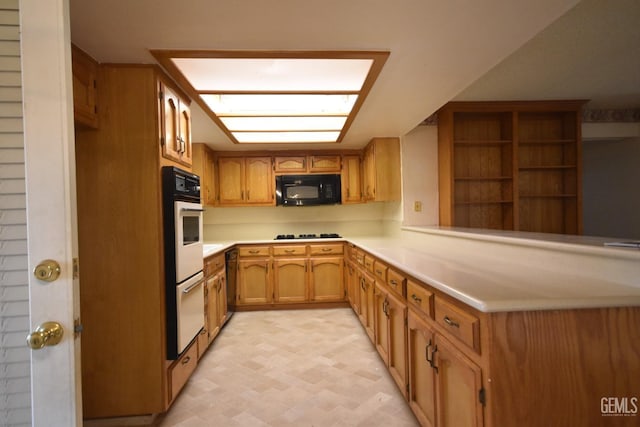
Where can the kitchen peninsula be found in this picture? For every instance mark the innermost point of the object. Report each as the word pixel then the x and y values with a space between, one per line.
pixel 467 320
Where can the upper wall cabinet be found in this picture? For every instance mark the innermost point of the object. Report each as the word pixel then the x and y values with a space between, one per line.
pixel 246 181
pixel 204 167
pixel 307 164
pixel 351 179
pixel 382 170
pixel 85 92
pixel 511 166
pixel 176 126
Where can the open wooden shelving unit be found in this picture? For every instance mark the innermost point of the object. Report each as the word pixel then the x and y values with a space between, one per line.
pixel 511 165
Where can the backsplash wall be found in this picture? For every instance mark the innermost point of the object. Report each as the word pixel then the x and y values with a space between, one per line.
pixel 251 223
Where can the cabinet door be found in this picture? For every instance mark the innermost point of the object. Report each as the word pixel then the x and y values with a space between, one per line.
pixel 381 320
pixel 290 280
pixel 85 73
pixel 184 121
pixel 369 173
pixel 351 181
pixel 324 163
pixel 209 179
pixel 353 288
pixel 260 184
pixel 212 284
pixel 370 304
pixel 458 384
pixel 397 314
pixel 327 279
pixel 231 180
pixel 290 164
pixel 422 387
pixel 222 298
pixel 254 282
pixel 171 147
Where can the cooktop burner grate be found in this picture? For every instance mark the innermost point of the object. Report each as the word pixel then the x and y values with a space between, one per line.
pixel 308 236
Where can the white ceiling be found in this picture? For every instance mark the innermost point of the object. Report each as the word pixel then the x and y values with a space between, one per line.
pixel 438 48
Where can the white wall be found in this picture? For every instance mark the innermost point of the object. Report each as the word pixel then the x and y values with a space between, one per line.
pixel 611 193
pixel 420 175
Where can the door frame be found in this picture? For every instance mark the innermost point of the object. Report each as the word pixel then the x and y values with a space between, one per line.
pixel 51 205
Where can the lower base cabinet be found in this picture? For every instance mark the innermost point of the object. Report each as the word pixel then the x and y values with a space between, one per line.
pixel 181 370
pixel 422 384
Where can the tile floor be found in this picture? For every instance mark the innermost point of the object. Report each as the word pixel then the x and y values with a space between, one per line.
pixel 291 368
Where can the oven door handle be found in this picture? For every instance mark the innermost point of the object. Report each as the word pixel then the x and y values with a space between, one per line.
pixel 191 210
pixel 192 287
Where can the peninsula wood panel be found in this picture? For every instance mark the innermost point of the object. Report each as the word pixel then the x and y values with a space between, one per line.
pixel 580 356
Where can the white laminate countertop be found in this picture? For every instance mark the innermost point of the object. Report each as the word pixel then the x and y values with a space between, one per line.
pixel 497 286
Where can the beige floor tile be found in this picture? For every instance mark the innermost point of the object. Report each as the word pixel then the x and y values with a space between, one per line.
pixel 313 368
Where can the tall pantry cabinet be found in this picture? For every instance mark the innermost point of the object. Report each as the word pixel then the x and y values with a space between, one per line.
pixel 124 366
pixel 511 165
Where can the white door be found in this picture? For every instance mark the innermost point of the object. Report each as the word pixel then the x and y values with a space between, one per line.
pixel 51 216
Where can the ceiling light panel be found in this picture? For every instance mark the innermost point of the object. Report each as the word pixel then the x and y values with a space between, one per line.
pixel 285 137
pixel 279 104
pixel 274 74
pixel 283 123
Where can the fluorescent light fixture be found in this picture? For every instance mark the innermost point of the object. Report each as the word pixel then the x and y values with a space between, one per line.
pixel 279 105
pixel 283 123
pixel 285 137
pixel 277 97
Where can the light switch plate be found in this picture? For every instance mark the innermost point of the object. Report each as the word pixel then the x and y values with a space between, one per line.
pixel 417 206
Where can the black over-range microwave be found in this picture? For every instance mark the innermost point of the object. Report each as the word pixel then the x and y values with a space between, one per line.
pixel 305 190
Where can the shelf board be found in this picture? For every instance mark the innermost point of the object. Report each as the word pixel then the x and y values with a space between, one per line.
pixel 473 142
pixel 548 196
pixel 484 202
pixel 483 178
pixel 543 168
pixel 546 141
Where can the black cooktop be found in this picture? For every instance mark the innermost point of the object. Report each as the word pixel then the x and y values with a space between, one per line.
pixel 308 236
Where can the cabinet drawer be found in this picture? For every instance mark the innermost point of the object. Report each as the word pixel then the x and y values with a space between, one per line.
pixel 359 257
pixel 248 251
pixel 380 271
pixel 396 282
pixel 368 262
pixel 420 298
pixel 462 325
pixel 289 250
pixel 182 369
pixel 213 263
pixel 327 249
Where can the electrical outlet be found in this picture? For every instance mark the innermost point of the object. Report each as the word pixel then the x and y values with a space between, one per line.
pixel 417 206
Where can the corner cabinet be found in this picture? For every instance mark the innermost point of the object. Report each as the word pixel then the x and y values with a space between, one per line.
pixel 125 370
pixel 381 170
pixel 511 165
pixel 351 179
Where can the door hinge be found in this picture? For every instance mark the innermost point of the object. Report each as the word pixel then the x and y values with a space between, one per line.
pixel 77 328
pixel 482 397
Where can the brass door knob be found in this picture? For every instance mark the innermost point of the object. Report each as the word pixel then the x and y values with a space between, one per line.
pixel 48 270
pixel 48 333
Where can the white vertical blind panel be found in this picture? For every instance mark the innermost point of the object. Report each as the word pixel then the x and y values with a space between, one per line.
pixel 15 389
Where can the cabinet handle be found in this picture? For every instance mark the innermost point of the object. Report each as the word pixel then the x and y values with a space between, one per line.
pixel 415 298
pixel 289 251
pixel 326 249
pixel 431 360
pixel 451 322
pixel 248 196
pixel 242 195
pixel 186 360
pixel 385 307
pixel 379 272
pixel 254 251
pixel 393 282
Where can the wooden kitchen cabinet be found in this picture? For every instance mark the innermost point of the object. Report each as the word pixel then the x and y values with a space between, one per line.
pixel 422 382
pixel 313 163
pixel 290 164
pixel 391 333
pixel 175 125
pixel 367 303
pixel 353 286
pixel 246 181
pixel 212 317
pixel 129 340
pixel 204 166
pixel 511 165
pixel 290 280
pixel 382 170
pixel 324 164
pixel 351 180
pixel 254 281
pixel 327 279
pixel 85 93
